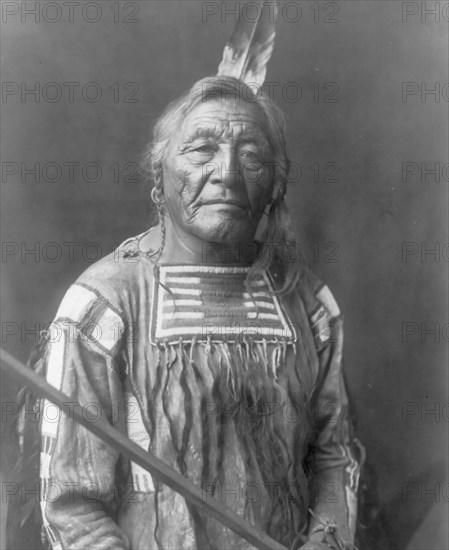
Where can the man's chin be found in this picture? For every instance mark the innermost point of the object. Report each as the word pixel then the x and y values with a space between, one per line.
pixel 226 232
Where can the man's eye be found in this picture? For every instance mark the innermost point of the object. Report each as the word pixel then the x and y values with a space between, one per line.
pixel 202 153
pixel 251 158
pixel 249 155
pixel 249 151
pixel 204 149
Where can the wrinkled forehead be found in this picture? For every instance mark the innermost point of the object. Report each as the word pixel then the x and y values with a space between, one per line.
pixel 226 120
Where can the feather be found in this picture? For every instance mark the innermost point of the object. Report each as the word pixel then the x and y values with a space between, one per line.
pixel 246 55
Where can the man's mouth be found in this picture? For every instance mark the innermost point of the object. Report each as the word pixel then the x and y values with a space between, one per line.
pixel 224 202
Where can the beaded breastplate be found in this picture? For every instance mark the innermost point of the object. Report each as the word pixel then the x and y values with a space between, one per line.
pixel 212 304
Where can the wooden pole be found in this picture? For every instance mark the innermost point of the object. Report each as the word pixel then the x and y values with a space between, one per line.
pixel 146 460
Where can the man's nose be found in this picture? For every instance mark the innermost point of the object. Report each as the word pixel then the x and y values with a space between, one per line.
pixel 225 166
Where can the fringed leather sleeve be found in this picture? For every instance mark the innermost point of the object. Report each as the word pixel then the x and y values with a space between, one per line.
pixel 335 470
pixel 77 469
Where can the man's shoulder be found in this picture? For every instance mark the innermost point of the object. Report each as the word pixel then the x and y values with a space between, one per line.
pixel 312 304
pixel 118 272
pixel 318 295
pixel 115 279
pixel 104 299
pixel 321 308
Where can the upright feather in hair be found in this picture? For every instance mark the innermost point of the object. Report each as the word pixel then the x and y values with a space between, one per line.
pixel 246 55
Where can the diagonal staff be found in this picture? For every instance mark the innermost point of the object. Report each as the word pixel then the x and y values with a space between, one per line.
pixel 146 460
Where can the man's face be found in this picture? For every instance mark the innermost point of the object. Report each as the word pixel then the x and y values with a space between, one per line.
pixel 218 172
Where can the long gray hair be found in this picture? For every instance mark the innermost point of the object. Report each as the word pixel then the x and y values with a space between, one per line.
pixel 278 235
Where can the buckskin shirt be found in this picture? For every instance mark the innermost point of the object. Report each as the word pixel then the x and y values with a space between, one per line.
pixel 242 392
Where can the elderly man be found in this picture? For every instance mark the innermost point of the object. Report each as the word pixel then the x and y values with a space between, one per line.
pixel 217 351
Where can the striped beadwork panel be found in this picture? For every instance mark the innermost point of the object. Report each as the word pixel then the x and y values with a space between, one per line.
pixel 212 303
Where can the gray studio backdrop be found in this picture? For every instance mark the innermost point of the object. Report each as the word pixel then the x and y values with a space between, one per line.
pixel 364 86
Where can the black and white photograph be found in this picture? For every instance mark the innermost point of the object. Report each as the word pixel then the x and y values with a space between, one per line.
pixel 224 275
